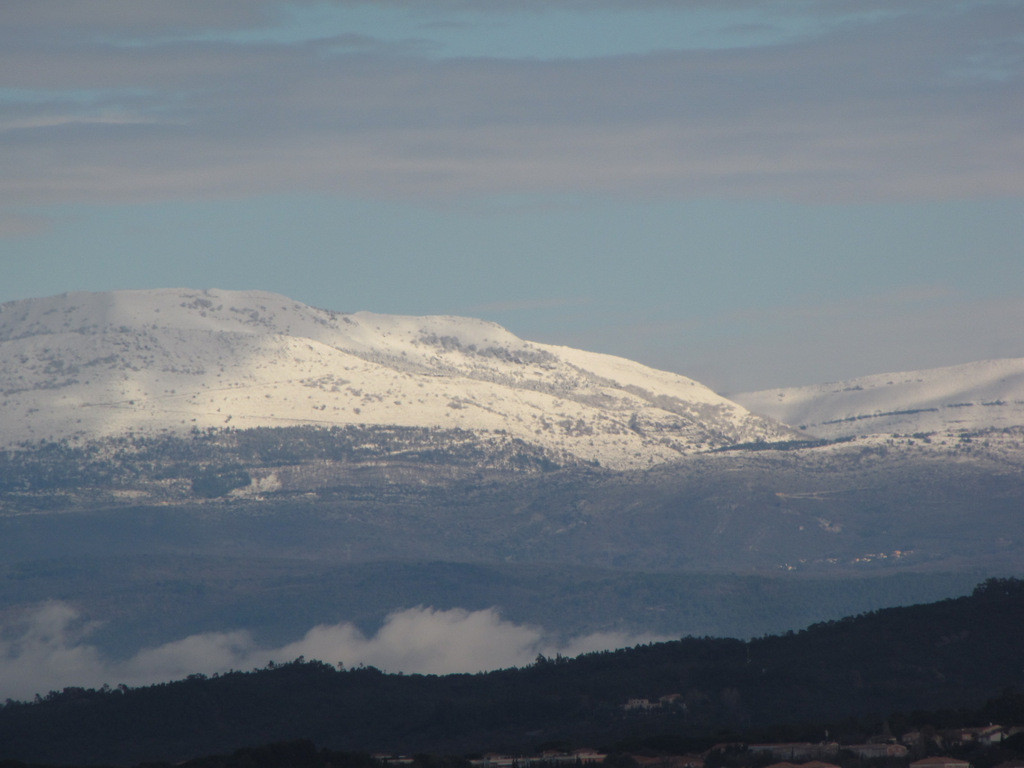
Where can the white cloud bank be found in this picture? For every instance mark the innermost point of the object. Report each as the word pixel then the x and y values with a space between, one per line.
pixel 48 649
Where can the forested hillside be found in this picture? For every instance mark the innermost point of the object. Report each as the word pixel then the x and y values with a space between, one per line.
pixel 945 655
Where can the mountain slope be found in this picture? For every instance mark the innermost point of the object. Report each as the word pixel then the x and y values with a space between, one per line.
pixel 983 395
pixel 84 366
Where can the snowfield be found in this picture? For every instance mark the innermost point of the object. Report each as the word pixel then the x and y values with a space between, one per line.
pixel 84 366
pixel 985 395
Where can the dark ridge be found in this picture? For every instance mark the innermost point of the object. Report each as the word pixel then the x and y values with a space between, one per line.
pixel 952 654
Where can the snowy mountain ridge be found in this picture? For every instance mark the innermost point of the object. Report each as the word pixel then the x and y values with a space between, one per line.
pixel 83 366
pixel 981 395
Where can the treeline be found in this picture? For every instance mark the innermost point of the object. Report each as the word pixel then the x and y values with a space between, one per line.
pixel 301 753
pixel 950 655
pixel 215 461
pixel 1006 708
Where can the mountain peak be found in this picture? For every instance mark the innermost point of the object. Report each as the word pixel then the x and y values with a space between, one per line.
pixel 84 366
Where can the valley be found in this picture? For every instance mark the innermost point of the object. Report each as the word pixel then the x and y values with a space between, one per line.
pixel 184 462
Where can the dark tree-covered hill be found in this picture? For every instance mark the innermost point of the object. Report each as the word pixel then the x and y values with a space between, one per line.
pixel 945 655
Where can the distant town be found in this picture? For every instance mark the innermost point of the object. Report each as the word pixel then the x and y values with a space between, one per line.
pixel 926 748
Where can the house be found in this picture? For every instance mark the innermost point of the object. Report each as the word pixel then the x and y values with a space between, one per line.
pixel 495 760
pixel 669 761
pixel 991 734
pixel 940 762
pixel 872 751
pixel 811 764
pixel 987 735
pixel 638 704
pixel 802 750
pixel 915 738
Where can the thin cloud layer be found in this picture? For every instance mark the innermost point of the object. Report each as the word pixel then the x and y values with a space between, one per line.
pixel 912 104
pixel 49 650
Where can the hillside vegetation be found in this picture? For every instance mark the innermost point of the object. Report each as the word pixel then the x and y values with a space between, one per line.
pixel 950 654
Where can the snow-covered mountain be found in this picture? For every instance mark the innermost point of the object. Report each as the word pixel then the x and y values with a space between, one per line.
pixel 82 366
pixel 982 395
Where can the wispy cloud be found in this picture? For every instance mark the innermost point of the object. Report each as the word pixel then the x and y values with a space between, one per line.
pixel 910 105
pixel 49 649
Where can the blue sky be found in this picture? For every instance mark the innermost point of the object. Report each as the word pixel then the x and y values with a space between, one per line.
pixel 750 193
